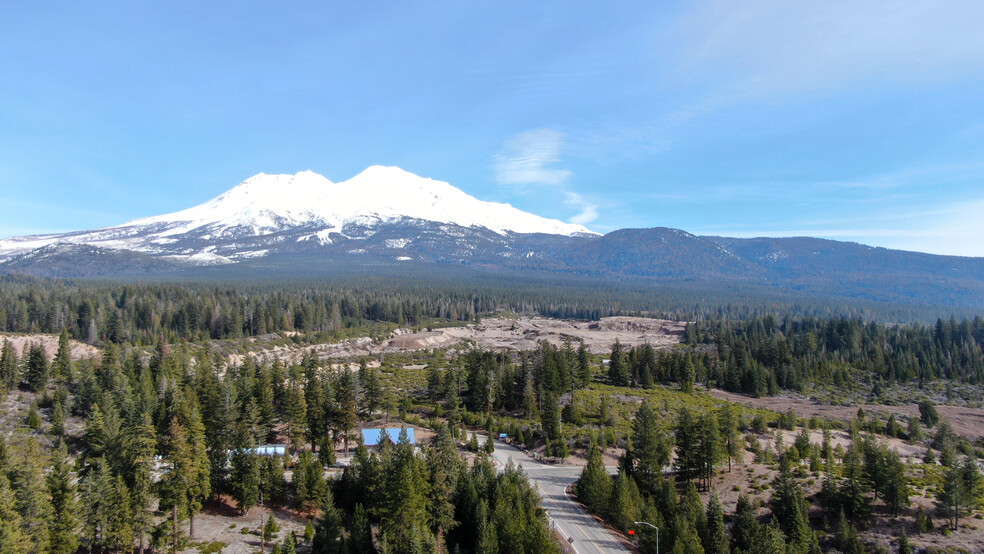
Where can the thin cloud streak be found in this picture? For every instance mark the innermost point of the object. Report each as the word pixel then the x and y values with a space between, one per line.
pixel 953 230
pixel 528 159
pixel 525 159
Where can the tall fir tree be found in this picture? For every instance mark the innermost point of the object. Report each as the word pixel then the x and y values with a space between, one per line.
pixel 328 531
pixel 36 368
pixel 64 517
pixel 594 488
pixel 650 447
pixel 9 367
pixel 715 538
pixel 61 367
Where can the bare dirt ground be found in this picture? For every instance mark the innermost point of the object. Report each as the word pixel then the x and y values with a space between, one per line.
pixel 495 333
pixel 21 342
pixel 966 422
pixel 525 333
pixel 220 522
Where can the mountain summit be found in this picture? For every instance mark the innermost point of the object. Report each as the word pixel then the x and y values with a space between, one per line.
pixel 269 203
pixel 306 225
pixel 233 224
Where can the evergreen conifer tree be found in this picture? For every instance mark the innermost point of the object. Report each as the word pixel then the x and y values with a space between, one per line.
pixel 36 368
pixel 594 488
pixel 64 518
pixel 9 367
pixel 715 540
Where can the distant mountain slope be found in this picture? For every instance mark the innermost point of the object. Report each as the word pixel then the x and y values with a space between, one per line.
pixel 659 252
pixel 265 211
pixel 295 224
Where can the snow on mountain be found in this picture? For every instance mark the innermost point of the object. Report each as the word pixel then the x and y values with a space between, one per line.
pixel 272 202
pixel 266 204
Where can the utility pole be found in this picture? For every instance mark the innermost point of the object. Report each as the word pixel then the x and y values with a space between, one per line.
pixel 654 527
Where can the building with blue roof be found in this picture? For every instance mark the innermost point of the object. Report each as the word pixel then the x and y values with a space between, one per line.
pixel 372 437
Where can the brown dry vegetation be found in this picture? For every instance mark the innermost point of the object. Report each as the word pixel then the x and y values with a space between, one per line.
pixel 966 422
pixel 21 342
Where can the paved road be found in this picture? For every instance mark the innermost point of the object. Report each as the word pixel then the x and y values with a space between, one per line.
pixel 552 480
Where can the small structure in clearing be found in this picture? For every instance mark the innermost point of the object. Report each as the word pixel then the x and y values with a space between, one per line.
pixel 372 437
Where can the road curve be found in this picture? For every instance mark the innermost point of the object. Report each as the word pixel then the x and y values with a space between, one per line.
pixel 589 536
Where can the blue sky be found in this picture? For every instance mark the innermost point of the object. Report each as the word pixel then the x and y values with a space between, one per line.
pixel 851 120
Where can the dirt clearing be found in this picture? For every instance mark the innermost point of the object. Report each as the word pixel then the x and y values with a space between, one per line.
pixel 966 422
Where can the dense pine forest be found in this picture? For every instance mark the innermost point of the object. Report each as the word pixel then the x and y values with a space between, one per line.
pixel 131 447
pixel 140 313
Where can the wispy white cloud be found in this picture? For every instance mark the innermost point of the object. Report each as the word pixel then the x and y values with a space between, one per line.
pixel 527 159
pixel 531 159
pixel 953 229
pixel 588 210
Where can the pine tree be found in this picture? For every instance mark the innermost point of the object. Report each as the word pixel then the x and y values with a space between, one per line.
pixel 309 482
pixel 688 376
pixel 693 510
pixel 689 462
pixel 688 541
pixel 141 447
pixel 64 520
pixel 12 537
pixel 290 545
pixel 199 479
pixel 270 528
pixel 709 446
pixel 745 527
pixel 58 418
pixel 903 543
pixel 404 510
pixel 715 539
pixel 33 419
pixel 9 367
pixel 244 479
pixel 328 537
pixel 625 506
pixel 846 537
pixel 346 414
pixel 120 532
pixel 96 493
pixel 61 368
pixel 176 481
pixel 594 488
pixel 360 540
pixel 36 368
pixel 961 490
pixel 372 392
pixel 26 472
pixel 441 489
pixel 896 487
pixel 914 431
pixel 769 540
pixel 583 366
pixel 296 409
pixel 730 434
pixel 485 536
pixel 650 447
pixel 618 366
pixel 853 490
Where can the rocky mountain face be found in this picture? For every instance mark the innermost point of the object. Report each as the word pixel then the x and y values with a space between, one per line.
pixel 387 215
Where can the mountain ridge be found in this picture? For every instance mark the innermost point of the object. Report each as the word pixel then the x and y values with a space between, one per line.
pixel 271 221
pixel 266 204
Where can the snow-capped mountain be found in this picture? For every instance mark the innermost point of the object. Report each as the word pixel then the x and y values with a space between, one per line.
pixel 307 226
pixel 277 212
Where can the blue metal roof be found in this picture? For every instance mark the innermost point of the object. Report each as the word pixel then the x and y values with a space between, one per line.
pixel 265 450
pixel 371 437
